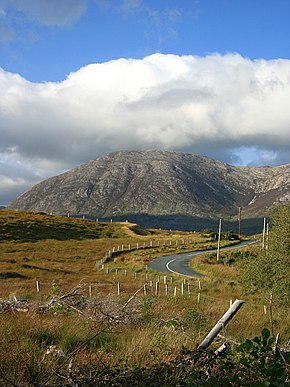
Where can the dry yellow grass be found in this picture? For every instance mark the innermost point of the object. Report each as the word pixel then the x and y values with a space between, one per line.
pixel 164 323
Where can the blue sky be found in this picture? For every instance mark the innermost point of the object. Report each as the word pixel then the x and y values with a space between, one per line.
pixel 81 78
pixel 48 48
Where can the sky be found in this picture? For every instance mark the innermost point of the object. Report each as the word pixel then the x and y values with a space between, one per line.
pixel 83 78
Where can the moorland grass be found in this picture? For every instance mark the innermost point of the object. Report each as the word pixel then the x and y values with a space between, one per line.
pixel 151 331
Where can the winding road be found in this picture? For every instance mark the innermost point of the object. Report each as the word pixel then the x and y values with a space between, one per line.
pixel 179 263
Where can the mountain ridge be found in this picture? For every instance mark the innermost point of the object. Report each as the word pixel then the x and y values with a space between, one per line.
pixel 159 183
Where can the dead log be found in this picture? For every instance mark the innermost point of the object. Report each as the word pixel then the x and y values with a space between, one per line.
pixel 220 324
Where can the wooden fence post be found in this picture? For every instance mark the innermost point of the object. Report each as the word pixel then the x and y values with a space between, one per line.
pixel 198 298
pixel 157 288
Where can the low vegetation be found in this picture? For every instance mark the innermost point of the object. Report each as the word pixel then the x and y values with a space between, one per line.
pixel 31 227
pixel 65 322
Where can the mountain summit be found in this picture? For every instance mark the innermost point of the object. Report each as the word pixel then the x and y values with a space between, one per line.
pixel 159 183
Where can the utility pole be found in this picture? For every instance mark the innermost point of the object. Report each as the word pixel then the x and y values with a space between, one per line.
pixel 239 220
pixel 219 241
pixel 264 232
pixel 267 236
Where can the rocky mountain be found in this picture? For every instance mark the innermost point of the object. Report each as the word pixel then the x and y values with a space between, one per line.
pixel 159 183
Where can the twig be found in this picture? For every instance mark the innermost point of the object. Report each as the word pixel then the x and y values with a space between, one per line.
pixel 131 298
pixel 112 318
pixel 276 343
pixel 77 310
pixel 72 293
pixel 70 371
pixel 220 350
pixel 228 339
pixel 72 354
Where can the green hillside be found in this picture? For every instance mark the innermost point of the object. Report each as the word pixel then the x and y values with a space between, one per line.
pixel 29 227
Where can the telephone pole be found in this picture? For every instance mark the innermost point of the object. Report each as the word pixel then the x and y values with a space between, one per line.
pixel 219 241
pixel 239 220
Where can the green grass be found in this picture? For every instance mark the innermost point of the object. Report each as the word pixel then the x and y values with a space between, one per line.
pixel 31 227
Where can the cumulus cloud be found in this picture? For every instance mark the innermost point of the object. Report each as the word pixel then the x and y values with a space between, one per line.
pixel 15 176
pixel 213 105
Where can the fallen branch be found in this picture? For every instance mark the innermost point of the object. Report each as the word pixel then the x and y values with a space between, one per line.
pixel 72 293
pixel 131 298
pixel 220 325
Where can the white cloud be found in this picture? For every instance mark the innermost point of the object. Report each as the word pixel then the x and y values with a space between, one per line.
pixel 212 105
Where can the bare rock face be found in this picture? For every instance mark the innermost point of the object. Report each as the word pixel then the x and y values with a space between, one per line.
pixel 159 183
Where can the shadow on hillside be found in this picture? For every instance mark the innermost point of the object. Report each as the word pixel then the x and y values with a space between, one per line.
pixel 190 223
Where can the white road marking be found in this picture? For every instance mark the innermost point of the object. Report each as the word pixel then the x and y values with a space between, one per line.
pixel 167 265
pixel 176 272
pixel 196 253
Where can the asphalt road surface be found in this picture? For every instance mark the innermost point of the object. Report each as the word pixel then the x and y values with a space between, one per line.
pixel 179 263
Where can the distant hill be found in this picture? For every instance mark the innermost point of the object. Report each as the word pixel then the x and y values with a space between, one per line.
pixel 159 183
